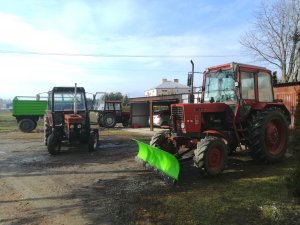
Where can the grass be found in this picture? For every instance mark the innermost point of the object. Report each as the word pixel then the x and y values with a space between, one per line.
pixel 250 200
pixel 7 122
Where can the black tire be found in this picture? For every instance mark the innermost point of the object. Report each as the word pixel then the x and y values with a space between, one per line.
pixel 268 135
pixel 109 120
pixel 53 144
pixel 211 155
pixel 160 140
pixel 93 141
pixel 47 132
pixel 27 125
pixel 100 119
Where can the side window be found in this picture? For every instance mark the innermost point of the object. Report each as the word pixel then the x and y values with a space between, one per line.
pixel 117 106
pixel 247 86
pixel 109 106
pixel 264 87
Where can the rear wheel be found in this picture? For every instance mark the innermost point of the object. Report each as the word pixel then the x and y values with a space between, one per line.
pixel 109 120
pixel 27 125
pixel 53 144
pixel 160 140
pixel 268 135
pixel 211 155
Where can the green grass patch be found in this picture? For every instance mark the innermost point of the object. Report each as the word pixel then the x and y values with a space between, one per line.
pixel 7 121
pixel 259 200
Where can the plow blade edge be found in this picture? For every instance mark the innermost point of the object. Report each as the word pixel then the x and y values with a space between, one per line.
pixel 159 159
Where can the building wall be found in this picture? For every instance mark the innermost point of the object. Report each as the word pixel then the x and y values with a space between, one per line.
pixel 172 91
pixel 289 96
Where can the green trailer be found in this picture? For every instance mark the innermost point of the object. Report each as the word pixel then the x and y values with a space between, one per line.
pixel 28 110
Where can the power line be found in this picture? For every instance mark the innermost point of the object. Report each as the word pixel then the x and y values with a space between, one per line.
pixel 115 55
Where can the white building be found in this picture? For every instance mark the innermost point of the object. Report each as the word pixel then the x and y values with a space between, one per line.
pixel 168 88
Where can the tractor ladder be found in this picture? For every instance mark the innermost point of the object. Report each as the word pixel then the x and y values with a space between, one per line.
pixel 241 135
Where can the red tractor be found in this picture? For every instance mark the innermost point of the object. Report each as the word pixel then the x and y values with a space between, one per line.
pixel 237 109
pixel 109 112
pixel 67 119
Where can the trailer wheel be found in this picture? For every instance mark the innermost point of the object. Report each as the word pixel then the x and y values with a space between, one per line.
pixel 160 140
pixel 27 125
pixel 93 141
pixel 53 144
pixel 109 120
pixel 211 155
pixel 268 135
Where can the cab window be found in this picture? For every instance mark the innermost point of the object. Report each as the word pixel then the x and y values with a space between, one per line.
pixel 247 87
pixel 264 87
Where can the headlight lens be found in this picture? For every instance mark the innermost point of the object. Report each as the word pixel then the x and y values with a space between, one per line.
pixel 72 126
pixel 79 126
pixel 182 125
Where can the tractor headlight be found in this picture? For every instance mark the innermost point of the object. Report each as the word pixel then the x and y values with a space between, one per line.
pixel 182 125
pixel 72 126
pixel 79 126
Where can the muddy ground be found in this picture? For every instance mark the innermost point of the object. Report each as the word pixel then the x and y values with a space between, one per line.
pixel 77 187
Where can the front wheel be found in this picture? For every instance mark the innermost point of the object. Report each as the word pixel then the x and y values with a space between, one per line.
pixel 211 155
pixel 53 144
pixel 93 141
pixel 161 140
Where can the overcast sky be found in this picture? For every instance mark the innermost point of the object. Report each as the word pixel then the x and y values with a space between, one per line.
pixel 106 45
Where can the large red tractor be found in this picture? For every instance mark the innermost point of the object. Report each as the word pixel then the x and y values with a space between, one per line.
pixel 67 119
pixel 237 109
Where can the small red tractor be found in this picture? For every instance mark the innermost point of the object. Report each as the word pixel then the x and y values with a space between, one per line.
pixel 67 119
pixel 237 109
pixel 109 112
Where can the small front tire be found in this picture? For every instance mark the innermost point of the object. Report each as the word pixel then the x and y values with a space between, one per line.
pixel 211 155
pixel 53 144
pixel 93 141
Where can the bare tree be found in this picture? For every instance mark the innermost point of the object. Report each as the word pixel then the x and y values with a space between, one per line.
pixel 275 37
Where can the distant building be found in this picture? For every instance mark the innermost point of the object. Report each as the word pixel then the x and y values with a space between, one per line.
pixel 168 88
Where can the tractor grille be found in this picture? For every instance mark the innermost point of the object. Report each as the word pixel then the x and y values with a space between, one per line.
pixel 177 113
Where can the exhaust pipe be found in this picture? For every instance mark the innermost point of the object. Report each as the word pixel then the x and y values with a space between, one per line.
pixel 75 99
pixel 192 82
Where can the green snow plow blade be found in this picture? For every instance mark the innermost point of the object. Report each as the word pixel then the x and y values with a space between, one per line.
pixel 159 159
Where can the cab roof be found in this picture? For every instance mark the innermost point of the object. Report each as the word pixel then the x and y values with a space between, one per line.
pixel 234 65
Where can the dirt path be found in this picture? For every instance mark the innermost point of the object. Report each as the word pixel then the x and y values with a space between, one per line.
pixel 75 187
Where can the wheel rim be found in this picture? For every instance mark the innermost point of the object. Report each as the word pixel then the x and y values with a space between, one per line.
pixel 275 137
pixel 215 159
pixel 109 121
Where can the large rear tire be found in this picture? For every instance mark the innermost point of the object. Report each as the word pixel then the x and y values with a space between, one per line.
pixel 160 140
pixel 268 135
pixel 53 144
pixel 211 155
pixel 27 125
pixel 109 120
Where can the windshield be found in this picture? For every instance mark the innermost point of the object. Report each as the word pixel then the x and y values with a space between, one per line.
pixel 65 101
pixel 219 87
